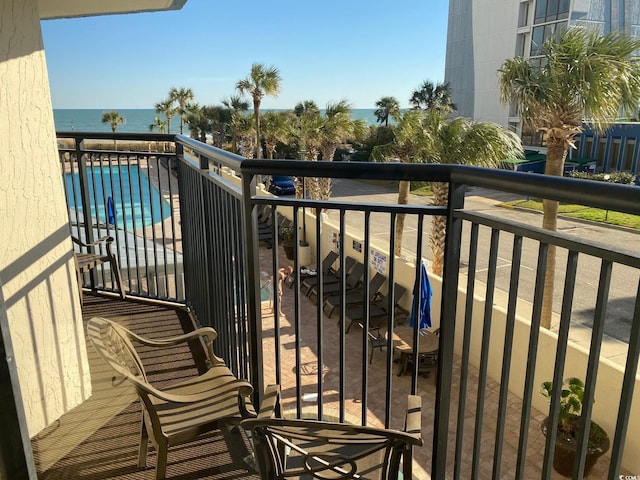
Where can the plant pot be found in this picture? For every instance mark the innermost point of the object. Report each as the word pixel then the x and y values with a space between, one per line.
pixel 565 448
pixel 288 250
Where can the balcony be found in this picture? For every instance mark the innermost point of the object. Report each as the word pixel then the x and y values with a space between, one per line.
pixel 195 255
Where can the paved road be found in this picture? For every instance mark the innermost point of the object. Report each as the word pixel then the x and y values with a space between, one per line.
pixel 624 283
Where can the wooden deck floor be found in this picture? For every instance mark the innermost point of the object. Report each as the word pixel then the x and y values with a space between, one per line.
pixel 65 451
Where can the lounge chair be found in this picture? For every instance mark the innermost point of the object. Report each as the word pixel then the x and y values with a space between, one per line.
pixel 317 449
pixel 92 256
pixel 379 310
pixel 265 224
pixel 355 296
pixel 352 280
pixel 328 273
pixel 183 411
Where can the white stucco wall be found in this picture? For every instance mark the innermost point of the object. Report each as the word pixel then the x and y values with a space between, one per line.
pixel 481 36
pixel 494 31
pixel 36 262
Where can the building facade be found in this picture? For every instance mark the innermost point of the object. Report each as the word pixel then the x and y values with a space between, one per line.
pixel 482 34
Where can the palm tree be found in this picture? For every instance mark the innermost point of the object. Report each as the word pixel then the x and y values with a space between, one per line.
pixel 236 107
pixel 386 107
pixel 167 109
pixel 429 137
pixel 433 96
pixel 157 123
pixel 220 119
pixel 337 127
pixel 276 128
pixel 582 75
pixel 182 96
pixel 260 82
pixel 198 122
pixel 114 119
pixel 307 131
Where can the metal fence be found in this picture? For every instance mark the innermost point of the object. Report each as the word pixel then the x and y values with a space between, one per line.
pixel 487 368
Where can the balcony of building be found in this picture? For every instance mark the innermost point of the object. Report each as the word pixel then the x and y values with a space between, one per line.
pixel 186 221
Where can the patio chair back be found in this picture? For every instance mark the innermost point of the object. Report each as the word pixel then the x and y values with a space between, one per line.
pixel 318 449
pixel 90 256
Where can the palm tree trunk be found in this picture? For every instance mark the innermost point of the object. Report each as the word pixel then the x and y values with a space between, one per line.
pixel 256 114
pixel 403 199
pixel 556 154
pixel 438 227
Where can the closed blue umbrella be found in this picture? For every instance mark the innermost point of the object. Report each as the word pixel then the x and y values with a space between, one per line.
pixel 424 308
pixel 111 211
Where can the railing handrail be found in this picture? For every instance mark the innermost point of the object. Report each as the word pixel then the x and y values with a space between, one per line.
pixel 623 198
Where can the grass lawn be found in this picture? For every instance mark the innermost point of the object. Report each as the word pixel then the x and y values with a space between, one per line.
pixel 582 212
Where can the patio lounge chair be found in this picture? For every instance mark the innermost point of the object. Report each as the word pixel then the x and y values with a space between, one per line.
pixel 183 411
pixel 354 296
pixel 328 273
pixel 316 449
pixel 352 280
pixel 90 258
pixel 379 309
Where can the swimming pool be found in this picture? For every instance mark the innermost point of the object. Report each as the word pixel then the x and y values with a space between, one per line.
pixel 136 202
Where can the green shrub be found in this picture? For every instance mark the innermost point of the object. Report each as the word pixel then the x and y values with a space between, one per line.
pixel 611 177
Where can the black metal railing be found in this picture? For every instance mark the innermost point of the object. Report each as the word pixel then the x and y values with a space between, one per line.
pixel 125 186
pixel 220 260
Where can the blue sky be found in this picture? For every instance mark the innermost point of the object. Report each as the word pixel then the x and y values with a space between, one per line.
pixel 359 50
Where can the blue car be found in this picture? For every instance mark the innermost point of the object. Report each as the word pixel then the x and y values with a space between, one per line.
pixel 282 185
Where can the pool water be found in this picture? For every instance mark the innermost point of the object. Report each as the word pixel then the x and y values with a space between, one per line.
pixel 137 203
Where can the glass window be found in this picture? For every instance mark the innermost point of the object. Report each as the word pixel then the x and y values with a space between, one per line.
pixel 552 10
pixel 521 40
pixel 523 15
pixel 627 159
pixel 614 153
pixel 537 39
pixel 588 147
pixel 563 9
pixel 600 155
pixel 541 11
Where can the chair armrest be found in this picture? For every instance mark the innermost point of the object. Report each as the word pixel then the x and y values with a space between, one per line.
pixel 242 386
pixel 100 240
pixel 204 332
pixel 208 332
pixel 413 421
pixel 271 402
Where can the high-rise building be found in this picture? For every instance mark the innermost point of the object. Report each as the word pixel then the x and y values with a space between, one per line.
pixel 482 34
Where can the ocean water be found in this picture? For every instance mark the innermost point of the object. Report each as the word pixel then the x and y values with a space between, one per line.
pixel 138 120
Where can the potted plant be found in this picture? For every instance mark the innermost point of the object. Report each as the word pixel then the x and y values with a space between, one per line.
pixel 567 428
pixel 288 238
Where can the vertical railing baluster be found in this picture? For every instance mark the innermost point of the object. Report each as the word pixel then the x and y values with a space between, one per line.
pixel 561 355
pixel 525 417
pixel 466 349
pixel 484 354
pixel 444 381
pixel 626 397
pixel 501 420
pixel 597 331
